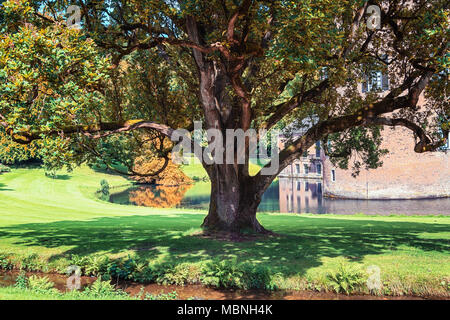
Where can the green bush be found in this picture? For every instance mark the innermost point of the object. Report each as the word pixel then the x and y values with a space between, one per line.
pixel 41 284
pixel 5 262
pixel 102 289
pixel 97 265
pixel 31 263
pixel 346 279
pixel 98 290
pixel 104 190
pixel 21 281
pixel 184 273
pixel 162 296
pixel 81 262
pixel 4 168
pixel 230 274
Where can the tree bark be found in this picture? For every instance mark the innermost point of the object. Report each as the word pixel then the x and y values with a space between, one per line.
pixel 233 202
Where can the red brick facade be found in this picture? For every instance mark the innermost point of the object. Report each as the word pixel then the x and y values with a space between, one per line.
pixel 404 174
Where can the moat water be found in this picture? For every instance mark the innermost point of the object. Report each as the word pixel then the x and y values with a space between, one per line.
pixel 287 195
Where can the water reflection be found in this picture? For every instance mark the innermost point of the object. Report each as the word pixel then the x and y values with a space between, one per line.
pixel 306 196
pixel 154 196
pixel 289 195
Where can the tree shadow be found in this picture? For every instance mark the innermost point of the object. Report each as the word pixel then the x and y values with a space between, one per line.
pixel 60 177
pixel 302 245
pixel 2 187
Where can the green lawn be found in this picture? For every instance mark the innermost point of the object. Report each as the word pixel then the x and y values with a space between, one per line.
pixel 55 218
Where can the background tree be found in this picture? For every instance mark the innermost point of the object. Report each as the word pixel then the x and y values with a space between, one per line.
pixel 153 66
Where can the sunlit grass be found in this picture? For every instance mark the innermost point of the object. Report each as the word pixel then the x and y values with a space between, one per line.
pixel 56 218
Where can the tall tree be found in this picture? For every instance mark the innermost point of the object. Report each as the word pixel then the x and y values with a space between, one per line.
pixel 233 64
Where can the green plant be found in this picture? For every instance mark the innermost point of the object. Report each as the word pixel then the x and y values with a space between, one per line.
pixel 103 288
pixel 346 279
pixel 31 263
pixel 4 168
pixel 104 190
pixel 162 296
pixel 21 281
pixel 125 269
pixel 5 262
pixel 230 274
pixel 40 284
pixel 96 265
pixel 224 274
pixel 181 274
pixel 81 262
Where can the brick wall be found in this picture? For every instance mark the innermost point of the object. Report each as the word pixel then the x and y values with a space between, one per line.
pixel 404 174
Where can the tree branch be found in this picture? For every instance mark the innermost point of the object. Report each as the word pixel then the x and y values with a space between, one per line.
pixel 283 109
pixel 425 144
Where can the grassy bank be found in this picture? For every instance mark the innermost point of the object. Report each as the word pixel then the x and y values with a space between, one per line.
pixel 47 224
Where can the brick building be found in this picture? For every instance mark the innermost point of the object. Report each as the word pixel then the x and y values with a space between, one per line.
pixel 405 174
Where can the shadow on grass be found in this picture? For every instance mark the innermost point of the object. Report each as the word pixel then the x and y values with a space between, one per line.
pixel 60 177
pixel 2 187
pixel 302 244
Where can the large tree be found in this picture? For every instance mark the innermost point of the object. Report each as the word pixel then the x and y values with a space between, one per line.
pixel 155 66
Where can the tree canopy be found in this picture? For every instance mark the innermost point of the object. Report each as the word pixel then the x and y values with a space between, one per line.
pixel 143 68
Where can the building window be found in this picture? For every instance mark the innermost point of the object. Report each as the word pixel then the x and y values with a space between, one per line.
pixel 297 166
pixel 323 73
pixel 446 146
pixel 299 185
pixel 375 81
pixel 319 168
pixel 306 186
pixel 306 168
pixel 318 149
pixel 305 154
pixel 333 175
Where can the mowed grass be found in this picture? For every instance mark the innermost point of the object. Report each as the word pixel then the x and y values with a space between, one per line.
pixel 56 218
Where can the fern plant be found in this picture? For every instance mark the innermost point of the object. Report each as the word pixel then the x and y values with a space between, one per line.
pixel 346 279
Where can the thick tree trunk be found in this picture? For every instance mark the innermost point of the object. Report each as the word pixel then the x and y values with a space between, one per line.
pixel 233 203
pixel 234 198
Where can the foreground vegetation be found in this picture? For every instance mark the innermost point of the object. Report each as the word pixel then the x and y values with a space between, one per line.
pixel 48 224
pixel 41 288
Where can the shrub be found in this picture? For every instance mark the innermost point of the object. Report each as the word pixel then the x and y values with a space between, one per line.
pixel 104 190
pixel 41 284
pixel 162 296
pixel 31 263
pixel 96 265
pixel 81 262
pixel 122 270
pixel 257 277
pixel 4 168
pixel 346 279
pixel 5 262
pixel 184 273
pixel 101 289
pixel 230 274
pixel 21 281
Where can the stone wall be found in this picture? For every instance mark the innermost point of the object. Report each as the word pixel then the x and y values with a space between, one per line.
pixel 404 174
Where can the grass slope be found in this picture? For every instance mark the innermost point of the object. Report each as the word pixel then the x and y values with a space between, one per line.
pixel 55 218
